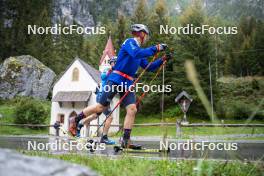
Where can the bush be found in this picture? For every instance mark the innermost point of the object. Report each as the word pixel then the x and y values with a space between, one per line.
pixel 17 99
pixel 2 101
pixel 259 115
pixel 174 111
pixel 255 84
pixel 221 108
pixel 197 109
pixel 234 109
pixel 30 111
pixel 242 110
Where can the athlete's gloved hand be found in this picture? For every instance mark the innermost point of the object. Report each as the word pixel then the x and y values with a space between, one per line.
pixel 166 57
pixel 161 47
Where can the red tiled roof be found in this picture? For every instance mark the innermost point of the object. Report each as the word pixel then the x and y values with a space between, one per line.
pixel 109 50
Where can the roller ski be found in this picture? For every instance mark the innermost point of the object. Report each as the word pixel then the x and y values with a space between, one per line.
pixel 120 148
pixel 128 146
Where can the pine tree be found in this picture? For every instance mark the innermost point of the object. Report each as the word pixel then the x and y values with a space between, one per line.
pixel 243 60
pixel 159 16
pixel 14 35
pixel 259 48
pixel 66 47
pixel 197 48
pixel 121 29
pixel 141 13
pixel 41 46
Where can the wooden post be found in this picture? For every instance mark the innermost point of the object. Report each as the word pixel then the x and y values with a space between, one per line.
pixel 178 128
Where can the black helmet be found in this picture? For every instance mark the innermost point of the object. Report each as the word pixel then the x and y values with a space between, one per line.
pixel 139 27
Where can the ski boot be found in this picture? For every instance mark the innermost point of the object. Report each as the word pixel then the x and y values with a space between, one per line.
pixel 79 117
pixel 106 140
pixel 78 129
pixel 127 143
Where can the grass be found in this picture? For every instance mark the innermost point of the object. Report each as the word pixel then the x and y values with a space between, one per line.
pixel 156 118
pixel 7 130
pixel 7 111
pixel 127 166
pixel 246 138
pixel 186 131
pixel 201 131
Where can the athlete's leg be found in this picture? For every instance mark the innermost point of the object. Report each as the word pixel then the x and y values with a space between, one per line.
pixel 87 120
pixel 98 108
pixel 94 109
pixel 131 110
pixel 104 138
pixel 107 124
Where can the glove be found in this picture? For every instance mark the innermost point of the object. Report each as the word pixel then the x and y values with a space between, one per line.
pixel 161 47
pixel 166 57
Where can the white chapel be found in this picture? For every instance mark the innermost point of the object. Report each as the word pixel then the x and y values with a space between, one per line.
pixel 75 90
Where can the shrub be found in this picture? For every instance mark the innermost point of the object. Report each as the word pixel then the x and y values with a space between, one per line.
pixel 241 110
pixel 30 111
pixel 255 84
pixel 259 115
pixel 17 99
pixel 198 110
pixel 234 109
pixel 2 101
pixel 220 108
pixel 174 111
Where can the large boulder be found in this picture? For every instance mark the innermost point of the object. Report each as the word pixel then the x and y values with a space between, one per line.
pixel 25 76
pixel 13 163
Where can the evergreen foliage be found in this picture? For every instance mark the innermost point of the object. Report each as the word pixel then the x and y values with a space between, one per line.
pixel 237 55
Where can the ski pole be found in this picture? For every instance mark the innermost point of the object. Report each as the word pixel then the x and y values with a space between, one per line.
pixel 143 94
pixel 157 73
pixel 127 92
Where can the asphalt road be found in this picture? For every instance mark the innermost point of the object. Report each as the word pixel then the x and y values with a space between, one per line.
pixel 252 150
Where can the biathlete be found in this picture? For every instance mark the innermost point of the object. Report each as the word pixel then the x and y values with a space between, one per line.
pixel 106 112
pixel 130 57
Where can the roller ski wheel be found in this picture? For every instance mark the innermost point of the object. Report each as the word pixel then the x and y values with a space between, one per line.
pixel 91 145
pixel 117 149
pixel 165 150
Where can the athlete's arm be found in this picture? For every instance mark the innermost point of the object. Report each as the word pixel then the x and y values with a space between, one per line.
pixel 136 52
pixel 153 65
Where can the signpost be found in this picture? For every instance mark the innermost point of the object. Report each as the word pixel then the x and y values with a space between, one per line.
pixel 184 100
